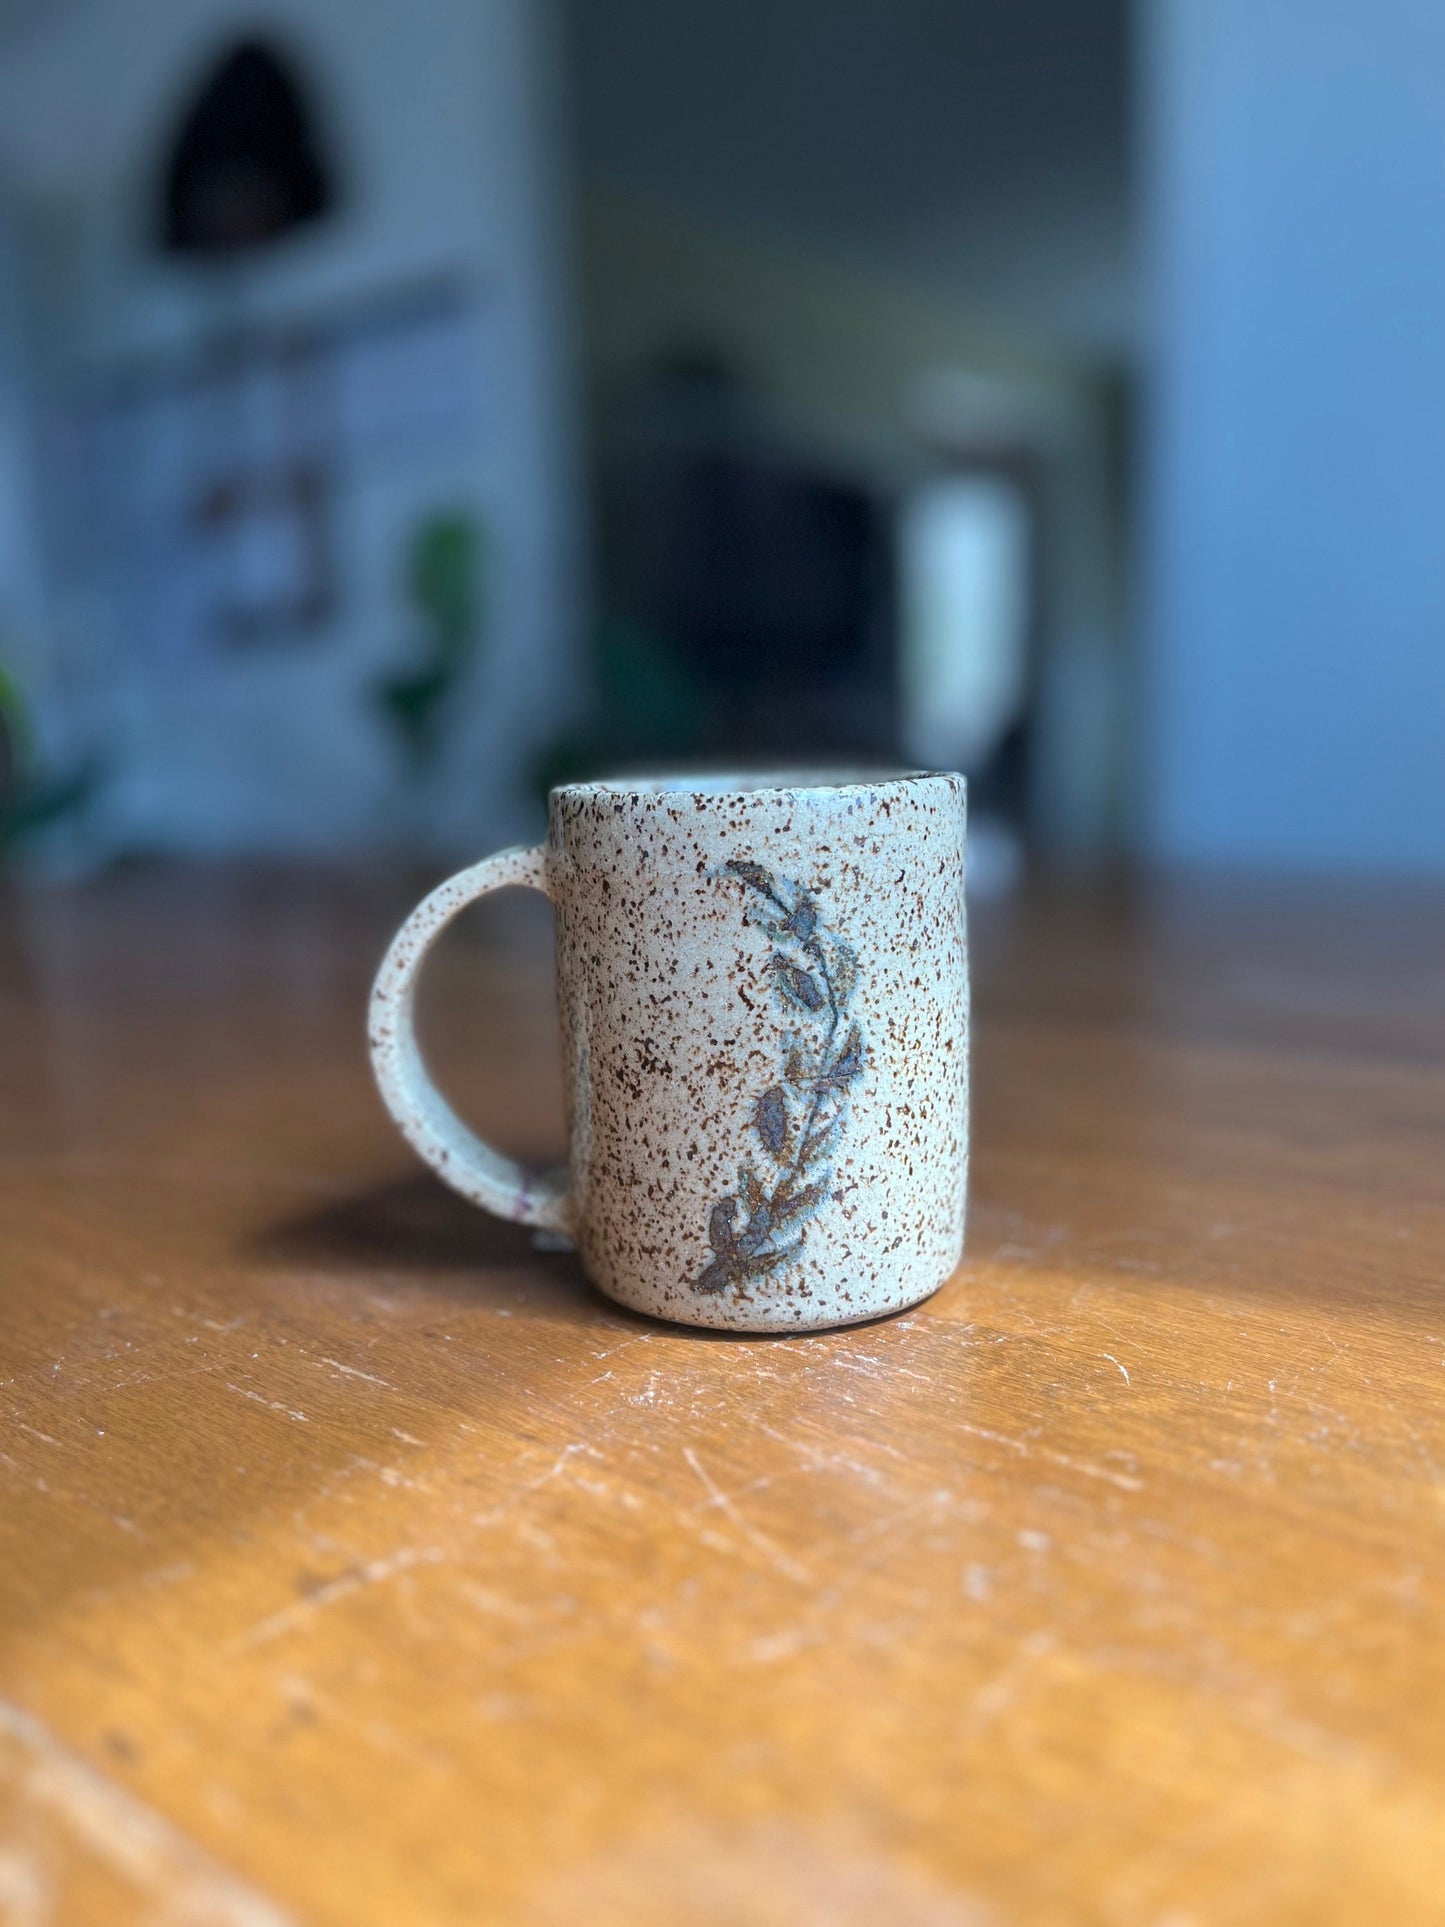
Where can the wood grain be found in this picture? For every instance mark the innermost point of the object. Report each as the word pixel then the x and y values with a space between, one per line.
pixel 358 1564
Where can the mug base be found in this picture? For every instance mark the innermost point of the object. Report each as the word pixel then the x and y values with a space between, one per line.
pixel 677 1307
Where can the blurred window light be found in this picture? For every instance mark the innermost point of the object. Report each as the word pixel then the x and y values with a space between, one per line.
pixel 964 559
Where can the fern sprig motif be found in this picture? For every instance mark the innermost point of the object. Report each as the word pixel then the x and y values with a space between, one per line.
pixel 798 1120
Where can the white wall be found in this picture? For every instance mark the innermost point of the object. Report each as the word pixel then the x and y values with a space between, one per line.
pixel 442 117
pixel 1295 628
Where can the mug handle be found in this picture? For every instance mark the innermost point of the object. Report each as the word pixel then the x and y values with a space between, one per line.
pixel 427 1122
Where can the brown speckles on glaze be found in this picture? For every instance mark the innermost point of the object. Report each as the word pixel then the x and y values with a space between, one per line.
pixel 679 1033
pixel 657 962
pixel 422 1114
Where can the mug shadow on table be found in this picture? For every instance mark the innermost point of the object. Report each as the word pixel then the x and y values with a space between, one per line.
pixel 413 1234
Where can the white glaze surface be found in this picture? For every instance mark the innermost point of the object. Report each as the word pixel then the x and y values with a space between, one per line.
pixel 764 1001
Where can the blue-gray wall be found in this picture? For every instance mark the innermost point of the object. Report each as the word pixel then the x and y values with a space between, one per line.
pixel 1294 615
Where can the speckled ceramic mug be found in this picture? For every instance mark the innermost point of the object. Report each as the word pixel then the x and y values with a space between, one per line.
pixel 763 986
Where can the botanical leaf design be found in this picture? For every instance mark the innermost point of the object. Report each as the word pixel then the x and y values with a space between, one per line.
pixel 802 920
pixel 799 985
pixel 847 1065
pixel 759 1226
pixel 798 1068
pixel 844 972
pixel 800 1202
pixel 820 1143
pixel 767 1261
pixel 771 1119
pixel 713 1277
pixel 752 873
pixel 723 1272
pixel 816 973
pixel 720 1224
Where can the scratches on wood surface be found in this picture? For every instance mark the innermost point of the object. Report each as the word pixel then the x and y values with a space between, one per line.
pixel 74 1845
pixel 351 1371
pixel 373 1572
pixel 375 1557
pixel 780 1561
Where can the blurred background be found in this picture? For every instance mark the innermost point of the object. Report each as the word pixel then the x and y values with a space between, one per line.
pixel 403 407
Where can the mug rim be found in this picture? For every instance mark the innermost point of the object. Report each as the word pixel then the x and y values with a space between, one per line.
pixel 730 784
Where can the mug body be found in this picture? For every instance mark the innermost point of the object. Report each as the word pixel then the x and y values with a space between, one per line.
pixel 764 1000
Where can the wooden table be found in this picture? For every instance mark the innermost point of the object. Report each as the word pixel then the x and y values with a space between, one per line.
pixel 359 1564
